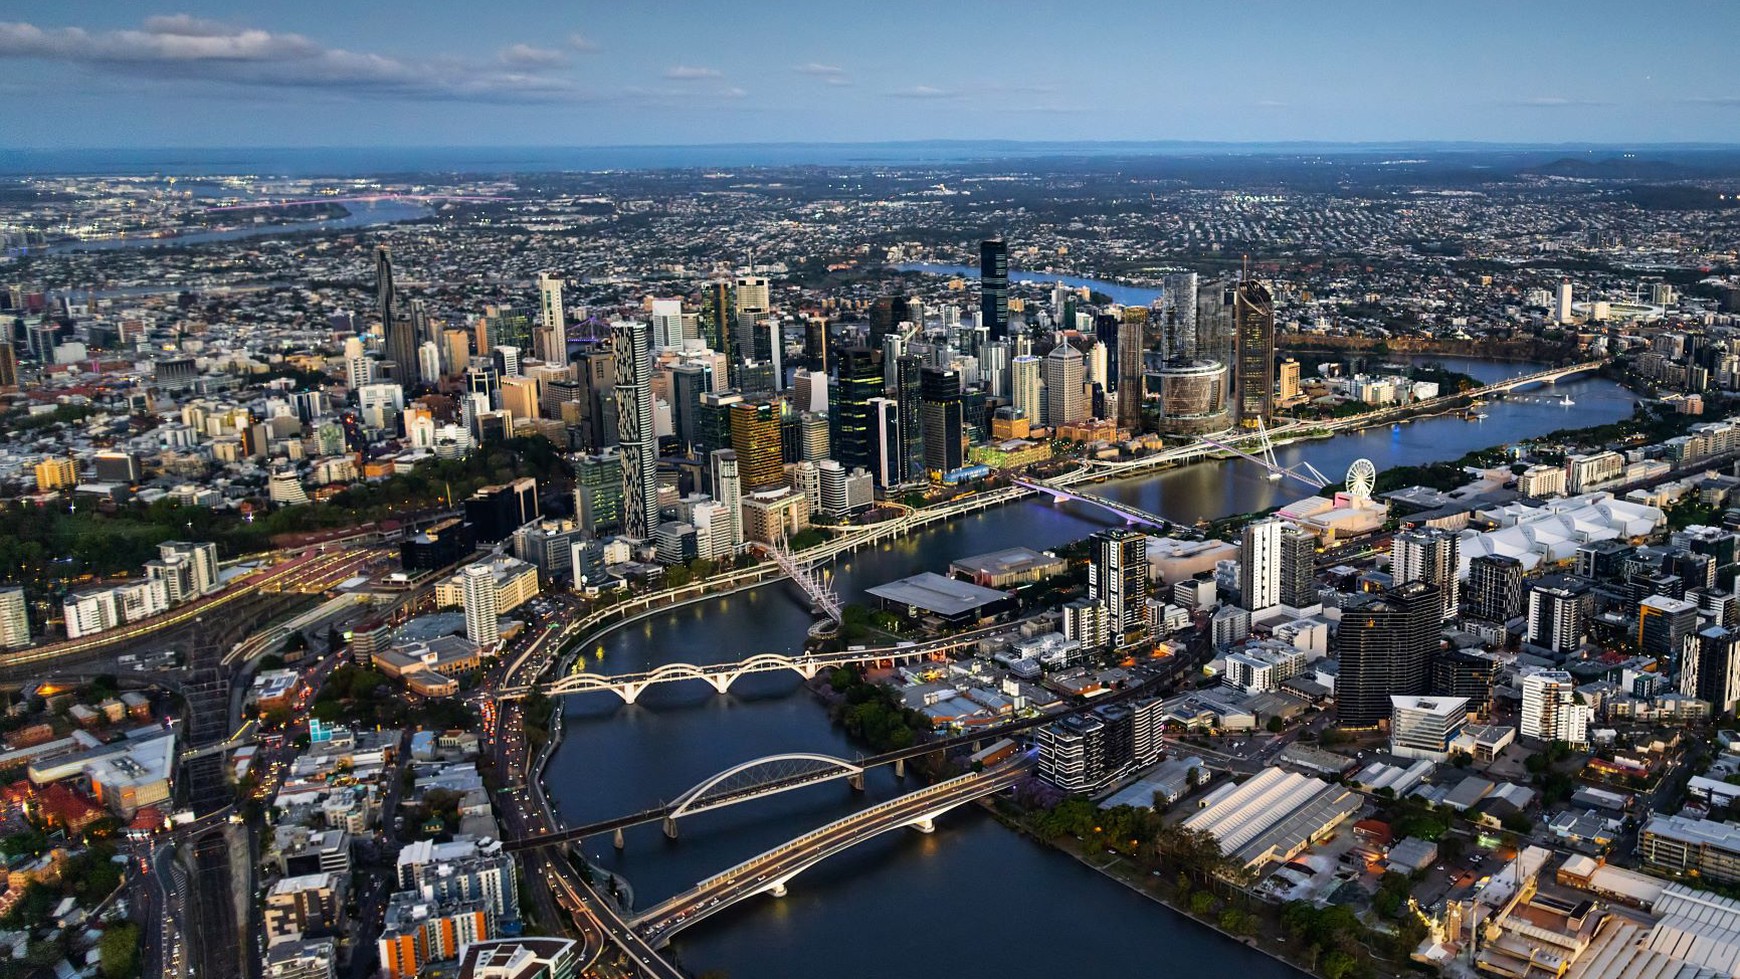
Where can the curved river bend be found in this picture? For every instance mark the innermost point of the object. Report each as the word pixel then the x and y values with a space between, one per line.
pixel 973 899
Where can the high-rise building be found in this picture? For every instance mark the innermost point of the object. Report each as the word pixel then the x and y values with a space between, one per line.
pixel 1177 326
pixel 1666 626
pixel 8 367
pixel 552 320
pixel 1562 307
pixel 477 583
pixel 1495 592
pixel 1260 559
pixel 1551 708
pixel 886 443
pixel 718 317
pixel 398 335
pixel 728 491
pixel 941 419
pixel 688 382
pixel 1385 645
pixel 1025 390
pixel 994 287
pixel 1558 609
pixel 14 618
pixel 886 315
pixel 1118 579
pixel 1066 401
pixel 1298 585
pixel 755 437
pixel 1132 343
pixel 860 380
pixel 1712 674
pixel 1254 327
pixel 634 429
pixel 1430 555
pixel 598 487
pixel 909 394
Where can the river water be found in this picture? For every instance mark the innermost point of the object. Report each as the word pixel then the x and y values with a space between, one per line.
pixel 362 214
pixel 973 899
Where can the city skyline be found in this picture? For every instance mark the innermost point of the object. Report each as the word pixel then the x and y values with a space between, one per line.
pixel 210 74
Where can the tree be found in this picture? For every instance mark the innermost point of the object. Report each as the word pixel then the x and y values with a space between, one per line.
pixel 1201 903
pixel 119 951
pixel 1276 725
pixel 1337 965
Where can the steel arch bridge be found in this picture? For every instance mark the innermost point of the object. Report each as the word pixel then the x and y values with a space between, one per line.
pixel 764 776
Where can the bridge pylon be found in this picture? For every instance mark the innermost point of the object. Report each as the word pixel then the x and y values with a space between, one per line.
pixel 670 827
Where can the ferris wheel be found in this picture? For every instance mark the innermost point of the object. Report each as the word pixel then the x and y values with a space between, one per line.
pixel 1360 478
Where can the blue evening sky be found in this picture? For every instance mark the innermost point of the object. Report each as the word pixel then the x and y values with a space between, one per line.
pixel 97 73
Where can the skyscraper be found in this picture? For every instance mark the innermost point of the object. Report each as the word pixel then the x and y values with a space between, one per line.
pixel 477 583
pixel 397 334
pixel 1431 555
pixel 728 491
pixel 1298 569
pixel 1385 645
pixel 1177 326
pixel 942 420
pixel 909 394
pixel 886 315
pixel 886 442
pixel 14 618
pixel 634 429
pixel 1131 343
pixel 552 345
pixel 718 315
pixel 994 286
pixel 1495 591
pixel 598 486
pixel 860 380
pixel 756 438
pixel 1024 388
pixel 1254 328
pixel 1118 579
pixel 1065 401
pixel 1260 559
pixel 1712 673
pixel 1558 608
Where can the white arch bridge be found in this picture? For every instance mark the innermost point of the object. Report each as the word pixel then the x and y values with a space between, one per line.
pixel 720 676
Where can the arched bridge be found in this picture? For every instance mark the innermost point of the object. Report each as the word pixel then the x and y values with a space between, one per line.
pixel 720 676
pixel 771 871
pixel 762 777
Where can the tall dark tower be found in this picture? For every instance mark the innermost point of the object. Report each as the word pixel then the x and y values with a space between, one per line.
pixel 994 286
pixel 718 309
pixel 1385 643
pixel 1254 329
pixel 886 315
pixel 909 400
pixel 850 414
pixel 399 334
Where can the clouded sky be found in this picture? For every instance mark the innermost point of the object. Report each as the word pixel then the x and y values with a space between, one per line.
pixel 93 73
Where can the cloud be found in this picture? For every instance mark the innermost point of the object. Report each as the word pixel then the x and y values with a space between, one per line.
pixel 1553 102
pixel 826 74
pixel 527 56
pixel 924 92
pixel 582 43
pixel 188 49
pixel 732 92
pixel 1722 100
pixel 690 73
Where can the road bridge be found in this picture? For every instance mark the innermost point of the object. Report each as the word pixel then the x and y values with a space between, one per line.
pixel 770 872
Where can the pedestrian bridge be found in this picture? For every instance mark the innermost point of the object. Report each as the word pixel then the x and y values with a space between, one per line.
pixel 1132 515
